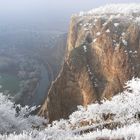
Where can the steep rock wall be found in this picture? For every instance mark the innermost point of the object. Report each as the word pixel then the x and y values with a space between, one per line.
pixel 103 52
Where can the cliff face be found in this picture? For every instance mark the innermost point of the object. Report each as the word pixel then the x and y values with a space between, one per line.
pixel 103 52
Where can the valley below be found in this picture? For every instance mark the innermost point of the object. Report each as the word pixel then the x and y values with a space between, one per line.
pixel 26 72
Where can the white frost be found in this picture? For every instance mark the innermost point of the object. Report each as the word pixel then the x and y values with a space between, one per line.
pixel 116 24
pixel 85 48
pixel 124 42
pixel 126 9
pixel 98 33
pixel 95 40
pixel 125 106
pixel 107 31
pixel 123 34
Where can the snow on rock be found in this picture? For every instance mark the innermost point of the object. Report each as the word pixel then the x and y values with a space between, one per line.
pixel 98 33
pixel 123 34
pixel 137 20
pixel 95 40
pixel 116 24
pixel 125 9
pixel 135 52
pixel 85 25
pixel 105 24
pixel 128 12
pixel 124 42
pixel 107 31
pixel 95 20
pixel 85 29
pixel 85 48
pixel 81 13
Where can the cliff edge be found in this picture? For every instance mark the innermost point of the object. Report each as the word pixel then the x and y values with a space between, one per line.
pixel 103 52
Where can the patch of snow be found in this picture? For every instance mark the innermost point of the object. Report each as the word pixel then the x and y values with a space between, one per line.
pixel 107 31
pixel 113 11
pixel 90 24
pixel 124 42
pixel 116 24
pixel 137 20
pixel 85 48
pixel 85 25
pixel 118 15
pixel 98 33
pixel 125 9
pixel 86 29
pixel 117 45
pixel 105 24
pixel 111 17
pixel 95 20
pixel 123 34
pixel 135 52
pixel 95 40
pixel 81 13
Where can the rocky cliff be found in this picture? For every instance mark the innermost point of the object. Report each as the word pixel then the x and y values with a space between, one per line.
pixel 103 52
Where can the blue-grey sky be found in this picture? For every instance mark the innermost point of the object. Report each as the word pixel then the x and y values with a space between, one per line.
pixel 49 13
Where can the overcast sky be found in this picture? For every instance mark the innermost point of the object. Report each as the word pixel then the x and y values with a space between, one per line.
pixel 49 12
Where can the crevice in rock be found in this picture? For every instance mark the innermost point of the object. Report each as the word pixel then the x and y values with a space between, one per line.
pixel 90 71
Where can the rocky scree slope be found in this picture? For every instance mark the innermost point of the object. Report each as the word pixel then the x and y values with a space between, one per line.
pixel 103 52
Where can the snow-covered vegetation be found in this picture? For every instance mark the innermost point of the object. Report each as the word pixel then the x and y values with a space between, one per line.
pixel 123 109
pixel 126 9
pixel 111 12
pixel 15 119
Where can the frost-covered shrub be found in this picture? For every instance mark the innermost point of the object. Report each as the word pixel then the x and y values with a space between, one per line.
pixel 13 121
pixel 124 105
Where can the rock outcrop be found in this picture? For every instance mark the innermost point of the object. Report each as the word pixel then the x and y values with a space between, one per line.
pixel 103 52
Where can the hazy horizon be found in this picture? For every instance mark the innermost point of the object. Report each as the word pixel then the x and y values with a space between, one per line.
pixel 51 15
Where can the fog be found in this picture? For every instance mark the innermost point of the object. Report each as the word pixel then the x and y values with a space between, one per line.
pixel 46 14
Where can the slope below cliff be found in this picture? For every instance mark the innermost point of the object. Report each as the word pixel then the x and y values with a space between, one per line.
pixel 103 52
